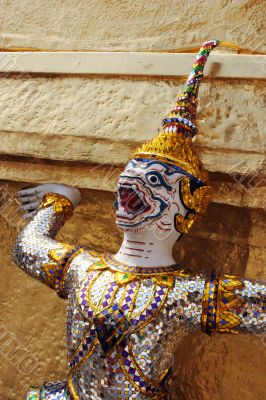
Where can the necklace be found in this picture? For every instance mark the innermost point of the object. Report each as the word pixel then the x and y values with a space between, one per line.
pixel 110 260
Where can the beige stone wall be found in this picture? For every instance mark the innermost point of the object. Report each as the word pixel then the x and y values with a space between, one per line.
pixel 136 25
pixel 57 128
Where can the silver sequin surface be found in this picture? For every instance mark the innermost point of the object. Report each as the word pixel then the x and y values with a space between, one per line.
pixel 253 311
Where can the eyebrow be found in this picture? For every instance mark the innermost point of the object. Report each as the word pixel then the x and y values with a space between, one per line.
pixel 168 170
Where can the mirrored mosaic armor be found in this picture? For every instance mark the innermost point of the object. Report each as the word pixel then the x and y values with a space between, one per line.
pixel 122 320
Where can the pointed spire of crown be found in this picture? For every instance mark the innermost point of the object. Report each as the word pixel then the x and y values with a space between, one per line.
pixel 183 115
pixel 173 145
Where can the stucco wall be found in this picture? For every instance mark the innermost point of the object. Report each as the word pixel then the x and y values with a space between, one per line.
pixel 58 128
pixel 135 25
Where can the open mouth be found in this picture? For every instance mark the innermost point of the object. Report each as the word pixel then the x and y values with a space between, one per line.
pixel 131 201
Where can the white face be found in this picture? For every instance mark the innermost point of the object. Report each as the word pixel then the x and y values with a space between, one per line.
pixel 148 196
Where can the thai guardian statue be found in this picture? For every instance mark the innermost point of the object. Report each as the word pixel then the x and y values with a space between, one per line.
pixel 124 309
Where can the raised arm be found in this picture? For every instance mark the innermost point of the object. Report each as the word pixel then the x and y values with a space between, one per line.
pixel 36 251
pixel 233 305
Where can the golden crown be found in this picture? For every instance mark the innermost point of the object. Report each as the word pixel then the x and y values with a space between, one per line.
pixel 174 144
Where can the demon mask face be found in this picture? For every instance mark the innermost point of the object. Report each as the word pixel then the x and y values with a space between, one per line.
pixel 148 195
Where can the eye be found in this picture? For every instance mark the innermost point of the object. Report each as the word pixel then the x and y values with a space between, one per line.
pixel 153 179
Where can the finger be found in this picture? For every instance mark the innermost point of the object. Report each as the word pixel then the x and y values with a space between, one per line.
pixel 25 192
pixel 30 206
pixel 27 199
pixel 29 215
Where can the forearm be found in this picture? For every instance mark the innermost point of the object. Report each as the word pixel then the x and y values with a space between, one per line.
pixel 36 251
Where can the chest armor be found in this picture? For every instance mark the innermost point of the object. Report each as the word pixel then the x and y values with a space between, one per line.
pixel 129 319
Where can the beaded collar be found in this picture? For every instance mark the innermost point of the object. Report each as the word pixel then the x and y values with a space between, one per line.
pixel 123 273
pixel 109 261
pixel 116 265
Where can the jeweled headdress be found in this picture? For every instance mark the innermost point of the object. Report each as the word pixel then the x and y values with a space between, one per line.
pixel 174 144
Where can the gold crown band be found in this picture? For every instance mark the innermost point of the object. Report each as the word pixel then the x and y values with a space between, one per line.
pixel 174 161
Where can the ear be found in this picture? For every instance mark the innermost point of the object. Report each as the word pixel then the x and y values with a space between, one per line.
pixel 196 204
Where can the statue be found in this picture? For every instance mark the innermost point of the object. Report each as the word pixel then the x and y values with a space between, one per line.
pixel 124 309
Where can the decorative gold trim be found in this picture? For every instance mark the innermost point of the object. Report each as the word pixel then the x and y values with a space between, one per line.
pixel 122 278
pixel 220 304
pixel 66 268
pixel 184 225
pixel 157 312
pixel 71 388
pixel 56 278
pixel 62 205
pixel 123 295
pixel 87 356
pixel 198 202
pixel 98 265
pixel 79 296
pixel 144 377
pixel 132 304
pixel 205 304
pixel 92 305
pixel 96 309
pixel 168 159
pixel 187 274
pixel 131 381
pixel 118 266
pixel 104 293
pixel 96 254
pixel 114 294
pixel 225 310
pixel 165 280
pixel 176 150
pixel 147 304
pixel 127 375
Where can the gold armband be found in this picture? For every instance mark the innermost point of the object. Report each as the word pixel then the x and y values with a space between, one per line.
pixel 60 203
pixel 220 304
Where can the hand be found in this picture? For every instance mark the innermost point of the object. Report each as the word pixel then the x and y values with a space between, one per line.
pixel 31 198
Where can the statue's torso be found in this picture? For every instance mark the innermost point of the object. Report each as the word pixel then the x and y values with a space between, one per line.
pixel 121 328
